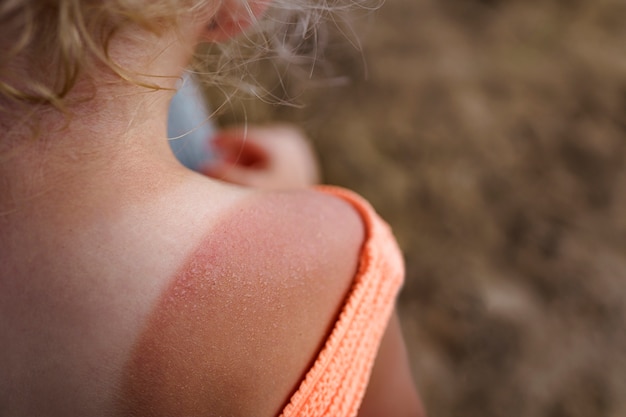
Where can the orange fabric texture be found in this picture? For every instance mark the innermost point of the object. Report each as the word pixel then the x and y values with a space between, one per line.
pixel 335 385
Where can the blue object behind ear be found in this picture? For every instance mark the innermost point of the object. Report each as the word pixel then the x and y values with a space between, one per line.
pixel 189 127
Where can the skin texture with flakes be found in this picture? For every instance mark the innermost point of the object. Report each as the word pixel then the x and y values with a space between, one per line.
pixel 200 347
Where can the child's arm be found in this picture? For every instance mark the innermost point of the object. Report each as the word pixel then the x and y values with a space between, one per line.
pixel 391 390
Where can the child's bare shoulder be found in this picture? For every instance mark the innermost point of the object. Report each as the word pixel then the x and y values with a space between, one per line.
pixel 256 301
pixel 299 226
pixel 295 234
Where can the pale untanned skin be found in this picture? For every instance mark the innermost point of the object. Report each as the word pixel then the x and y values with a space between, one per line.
pixel 99 229
pixel 80 271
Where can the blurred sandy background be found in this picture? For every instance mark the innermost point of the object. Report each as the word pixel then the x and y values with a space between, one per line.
pixel 491 134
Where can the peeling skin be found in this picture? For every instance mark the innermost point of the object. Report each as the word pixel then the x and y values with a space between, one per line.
pixel 175 366
pixel 240 298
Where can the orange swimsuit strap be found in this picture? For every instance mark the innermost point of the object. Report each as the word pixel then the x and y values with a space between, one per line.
pixel 336 383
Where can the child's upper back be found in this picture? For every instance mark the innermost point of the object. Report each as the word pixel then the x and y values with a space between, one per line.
pixel 130 286
pixel 228 302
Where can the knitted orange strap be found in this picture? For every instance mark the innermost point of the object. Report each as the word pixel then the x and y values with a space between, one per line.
pixel 336 383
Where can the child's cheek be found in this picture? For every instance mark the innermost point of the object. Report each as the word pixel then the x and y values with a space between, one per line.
pixel 235 18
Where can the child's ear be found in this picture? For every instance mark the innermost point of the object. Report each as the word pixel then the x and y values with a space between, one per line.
pixel 233 18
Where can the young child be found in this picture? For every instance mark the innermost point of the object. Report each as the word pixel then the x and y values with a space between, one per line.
pixel 133 286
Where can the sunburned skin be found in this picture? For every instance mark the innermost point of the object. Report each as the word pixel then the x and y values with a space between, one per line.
pixel 239 298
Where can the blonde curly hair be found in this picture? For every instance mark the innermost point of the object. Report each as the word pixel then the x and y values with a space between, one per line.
pixel 57 40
